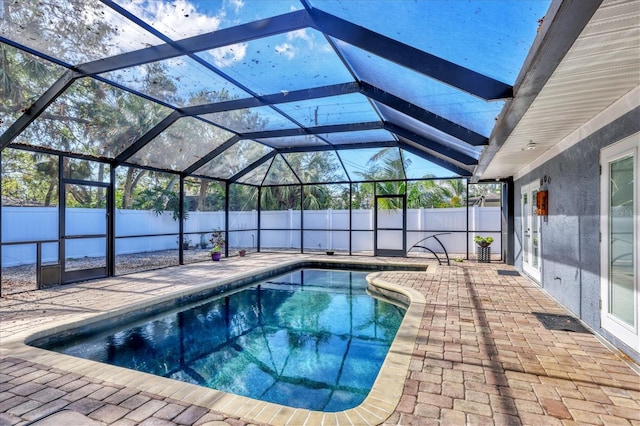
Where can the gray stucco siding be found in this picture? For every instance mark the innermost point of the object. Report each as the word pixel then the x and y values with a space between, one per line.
pixel 570 235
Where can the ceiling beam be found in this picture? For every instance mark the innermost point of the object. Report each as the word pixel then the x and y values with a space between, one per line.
pixel 562 25
pixel 430 144
pixel 168 40
pixel 34 52
pixel 38 107
pixel 380 145
pixel 319 92
pixel 227 36
pixel 417 60
pixel 275 98
pixel 142 141
pixel 435 160
pixel 291 169
pixel 317 131
pixel 211 155
pixel 251 167
pixel 427 117
pixel 341 147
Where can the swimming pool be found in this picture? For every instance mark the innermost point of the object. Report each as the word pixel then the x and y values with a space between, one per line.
pixel 310 338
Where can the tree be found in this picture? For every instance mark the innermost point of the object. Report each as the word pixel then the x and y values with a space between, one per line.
pixel 29 178
pixel 433 193
pixel 159 194
pixel 23 78
pixel 73 30
pixel 210 194
pixel 362 195
pixel 90 117
pixel 387 166
pixel 327 196
pixel 243 197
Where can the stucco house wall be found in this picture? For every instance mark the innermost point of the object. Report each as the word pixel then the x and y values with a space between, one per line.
pixel 570 246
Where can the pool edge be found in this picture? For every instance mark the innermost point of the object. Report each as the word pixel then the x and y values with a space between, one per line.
pixel 375 409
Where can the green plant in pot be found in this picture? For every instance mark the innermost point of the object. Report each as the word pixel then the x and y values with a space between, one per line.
pixel 483 251
pixel 483 241
pixel 218 242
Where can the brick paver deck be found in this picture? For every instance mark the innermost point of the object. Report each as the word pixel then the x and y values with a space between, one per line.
pixel 480 356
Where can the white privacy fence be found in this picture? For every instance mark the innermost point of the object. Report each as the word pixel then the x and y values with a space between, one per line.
pixel 323 229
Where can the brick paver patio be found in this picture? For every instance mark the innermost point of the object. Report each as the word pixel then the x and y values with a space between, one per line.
pixel 481 356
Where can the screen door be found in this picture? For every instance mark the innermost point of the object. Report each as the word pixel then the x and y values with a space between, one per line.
pixel 84 240
pixel 391 223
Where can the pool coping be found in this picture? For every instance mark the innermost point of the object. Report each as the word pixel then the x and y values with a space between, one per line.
pixel 375 409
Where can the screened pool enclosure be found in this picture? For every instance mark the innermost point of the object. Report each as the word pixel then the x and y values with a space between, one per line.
pixel 131 130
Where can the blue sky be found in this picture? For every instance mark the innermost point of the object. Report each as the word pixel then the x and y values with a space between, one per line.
pixel 492 37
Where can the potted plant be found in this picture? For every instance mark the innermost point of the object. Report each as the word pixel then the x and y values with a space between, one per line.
pixel 329 250
pixel 185 242
pixel 203 241
pixel 217 240
pixel 216 254
pixel 483 251
pixel 242 252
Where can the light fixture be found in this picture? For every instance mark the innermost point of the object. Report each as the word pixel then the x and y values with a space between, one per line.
pixel 531 145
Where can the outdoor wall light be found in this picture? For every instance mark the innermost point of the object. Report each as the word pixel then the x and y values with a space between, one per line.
pixel 542 197
pixel 542 202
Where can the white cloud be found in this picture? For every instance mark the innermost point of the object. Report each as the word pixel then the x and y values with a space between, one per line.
pixel 177 19
pixel 180 19
pixel 176 62
pixel 228 55
pixel 287 50
pixel 303 35
pixel 235 4
pixel 123 35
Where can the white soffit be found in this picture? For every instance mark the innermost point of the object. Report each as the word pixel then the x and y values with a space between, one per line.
pixel 602 66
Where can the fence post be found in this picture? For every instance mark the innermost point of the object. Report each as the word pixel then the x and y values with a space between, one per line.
pixel 371 221
pixel 330 222
pixel 254 225
pixel 475 213
pixel 290 213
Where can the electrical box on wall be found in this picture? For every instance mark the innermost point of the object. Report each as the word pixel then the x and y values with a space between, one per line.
pixel 542 203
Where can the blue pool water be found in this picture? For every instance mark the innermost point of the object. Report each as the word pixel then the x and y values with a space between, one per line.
pixel 310 339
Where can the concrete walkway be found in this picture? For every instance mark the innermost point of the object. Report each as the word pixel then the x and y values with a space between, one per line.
pixel 481 356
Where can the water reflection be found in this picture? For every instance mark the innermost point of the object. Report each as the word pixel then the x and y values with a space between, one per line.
pixel 311 339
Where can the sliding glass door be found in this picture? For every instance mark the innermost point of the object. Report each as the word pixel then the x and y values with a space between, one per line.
pixel 619 247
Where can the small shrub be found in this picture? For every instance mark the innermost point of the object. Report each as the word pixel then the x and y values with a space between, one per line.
pixel 483 241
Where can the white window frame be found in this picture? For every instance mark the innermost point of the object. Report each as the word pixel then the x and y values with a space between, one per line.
pixel 528 252
pixel 629 335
